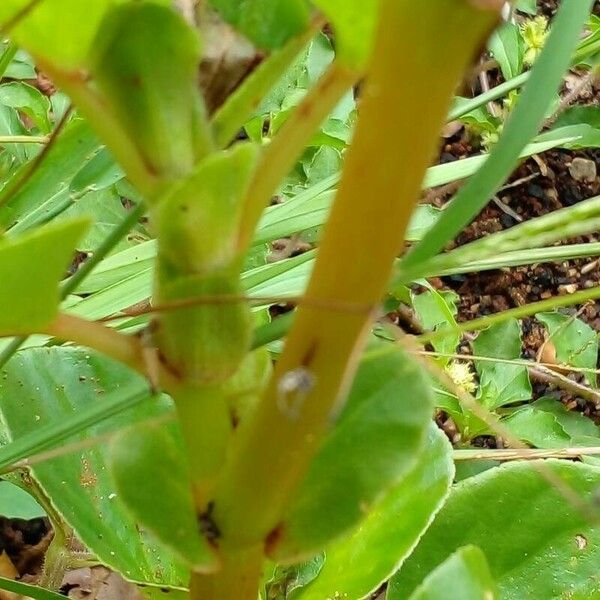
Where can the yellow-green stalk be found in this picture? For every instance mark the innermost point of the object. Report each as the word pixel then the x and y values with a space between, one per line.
pixel 421 50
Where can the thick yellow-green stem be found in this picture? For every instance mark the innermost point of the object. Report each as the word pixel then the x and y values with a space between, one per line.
pixel 206 426
pixel 421 50
pixel 238 578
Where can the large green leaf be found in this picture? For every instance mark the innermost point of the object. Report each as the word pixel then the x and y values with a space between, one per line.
pixel 40 387
pixel 374 443
pixel 31 268
pixel 464 575
pixel 57 31
pixel 538 543
pixel 145 62
pixel 149 467
pixel 267 23
pixel 357 564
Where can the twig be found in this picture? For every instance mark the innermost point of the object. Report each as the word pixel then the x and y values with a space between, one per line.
pixel 525 453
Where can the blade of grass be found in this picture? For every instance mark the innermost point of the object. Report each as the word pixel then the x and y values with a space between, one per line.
pixel 28 591
pixel 580 219
pixel 521 127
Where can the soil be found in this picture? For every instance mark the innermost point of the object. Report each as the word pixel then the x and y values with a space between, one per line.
pixel 539 186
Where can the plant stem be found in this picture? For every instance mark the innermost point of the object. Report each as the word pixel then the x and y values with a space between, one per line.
pixel 238 579
pixel 206 427
pixel 525 453
pixel 126 349
pixel 281 154
pixel 381 180
pixel 24 139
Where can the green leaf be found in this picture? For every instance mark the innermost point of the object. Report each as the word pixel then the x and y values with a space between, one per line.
pixel 465 575
pixel 149 468
pixel 576 343
pixel 506 45
pixel 42 388
pixel 28 100
pixel 372 446
pixel 287 581
pixel 357 564
pixel 501 383
pixel 61 31
pixel 354 24
pixel 145 61
pixel 48 186
pixel 26 590
pixel 538 428
pixel 538 544
pixel 573 422
pixel 105 210
pixel 16 503
pixel 99 173
pixel 31 268
pixel 267 23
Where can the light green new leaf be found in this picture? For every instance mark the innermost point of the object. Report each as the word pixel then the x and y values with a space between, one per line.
pixel 267 23
pixel 44 387
pixel 59 32
pixel 576 343
pixel 357 564
pixel 145 62
pixel 31 268
pixel 374 443
pixel 354 23
pixel 465 575
pixel 149 468
pixel 537 542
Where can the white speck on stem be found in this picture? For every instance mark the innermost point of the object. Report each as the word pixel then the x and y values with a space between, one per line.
pixel 292 389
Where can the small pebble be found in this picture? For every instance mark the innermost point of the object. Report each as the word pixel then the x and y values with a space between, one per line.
pixel 583 170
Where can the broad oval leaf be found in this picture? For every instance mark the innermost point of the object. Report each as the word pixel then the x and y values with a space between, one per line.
pixel 31 267
pixel 149 466
pixel 538 544
pixel 356 565
pixel 44 386
pixel 465 575
pixel 374 443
